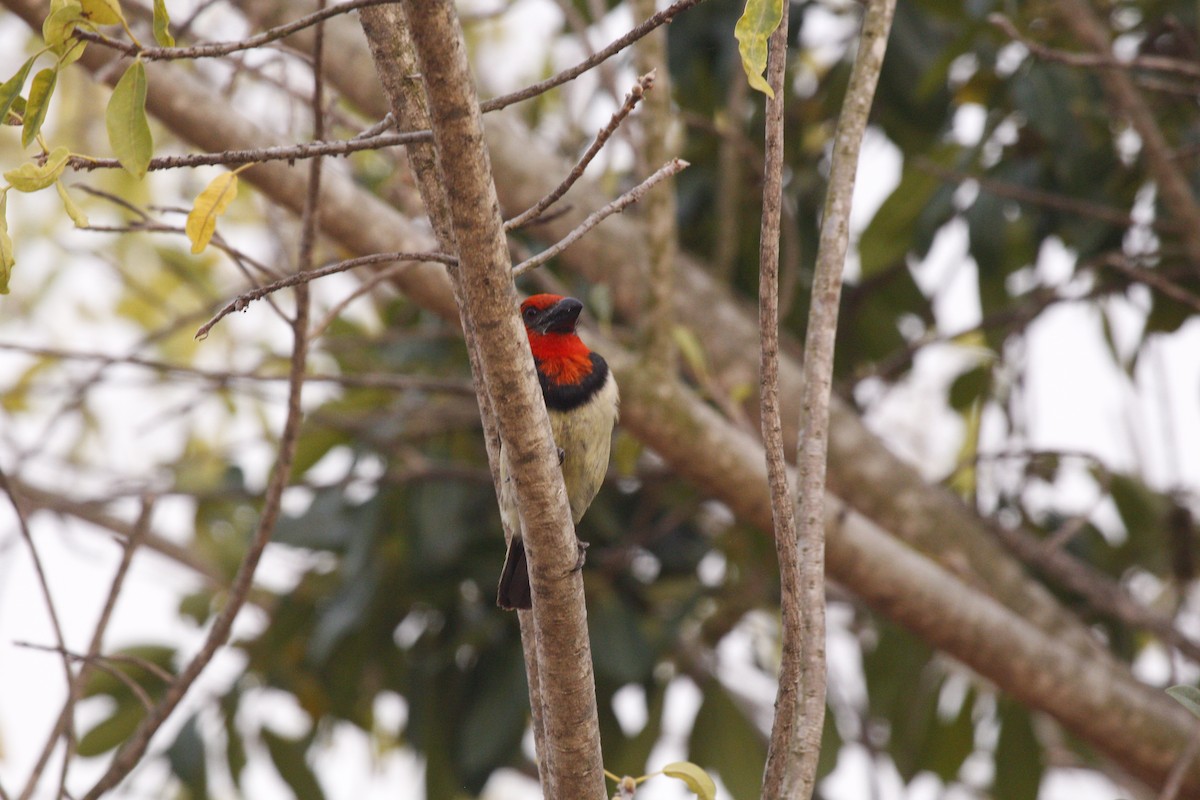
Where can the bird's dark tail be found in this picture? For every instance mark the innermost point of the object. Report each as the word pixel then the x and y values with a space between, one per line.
pixel 513 592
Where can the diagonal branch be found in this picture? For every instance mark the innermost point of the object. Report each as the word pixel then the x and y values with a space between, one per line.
pixel 670 169
pixel 1125 99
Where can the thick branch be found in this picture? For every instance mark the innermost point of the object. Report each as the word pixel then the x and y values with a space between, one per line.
pixel 560 622
pixel 396 63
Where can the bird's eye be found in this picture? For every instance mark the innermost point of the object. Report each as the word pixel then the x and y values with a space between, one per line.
pixel 530 312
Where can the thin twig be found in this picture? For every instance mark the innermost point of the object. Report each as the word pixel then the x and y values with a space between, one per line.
pixel 673 167
pixel 291 152
pixel 75 690
pixel 132 751
pixel 240 302
pixel 661 18
pixel 1038 197
pixel 787 721
pixel 103 664
pixel 1098 591
pixel 369 380
pixel 1171 66
pixel 383 126
pixel 366 287
pixel 1152 278
pixel 44 586
pixel 635 95
pixel 217 49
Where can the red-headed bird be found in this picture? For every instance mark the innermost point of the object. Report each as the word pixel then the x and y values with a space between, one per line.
pixel 581 399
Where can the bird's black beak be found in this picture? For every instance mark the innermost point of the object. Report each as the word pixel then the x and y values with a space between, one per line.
pixel 560 317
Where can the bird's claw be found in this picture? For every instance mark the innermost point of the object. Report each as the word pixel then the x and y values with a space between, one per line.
pixel 562 456
pixel 582 557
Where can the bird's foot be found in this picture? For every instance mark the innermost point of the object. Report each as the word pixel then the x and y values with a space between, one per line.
pixel 562 456
pixel 583 546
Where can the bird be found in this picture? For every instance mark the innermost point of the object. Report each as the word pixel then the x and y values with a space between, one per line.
pixel 581 399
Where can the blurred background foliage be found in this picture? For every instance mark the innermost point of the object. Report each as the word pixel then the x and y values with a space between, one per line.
pixel 393 522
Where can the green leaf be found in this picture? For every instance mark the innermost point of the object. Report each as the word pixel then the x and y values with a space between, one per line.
pixel 101 682
pixel 210 204
pixel 40 92
pixel 970 387
pixel 290 758
pixel 31 177
pixel 697 780
pixel 1018 757
pixel 7 260
pixel 73 211
pixel 187 758
pixel 725 741
pixel 950 742
pixel 128 130
pixel 1141 509
pixel 103 12
pixel 757 23
pixel 493 718
pixel 1187 696
pixel 162 25
pixel 890 234
pixel 10 90
pixel 113 730
pixel 235 748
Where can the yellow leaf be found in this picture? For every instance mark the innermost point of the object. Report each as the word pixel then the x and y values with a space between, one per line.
pixel 7 260
pixel 73 211
pixel 210 204
pixel 103 12
pixel 691 349
pixel 162 25
pixel 757 23
pixel 30 177
pixel 697 780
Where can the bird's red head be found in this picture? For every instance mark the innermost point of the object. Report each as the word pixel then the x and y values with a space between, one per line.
pixel 560 354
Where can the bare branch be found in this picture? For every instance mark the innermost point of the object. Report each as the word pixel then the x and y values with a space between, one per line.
pixel 134 748
pixel 779 774
pixel 635 95
pixel 674 167
pixel 75 690
pixel 216 49
pixel 100 663
pixel 240 302
pixel 572 759
pixel 1098 591
pixel 52 612
pixel 1174 190
pixel 289 153
pixel 813 454
pixel 661 18
pixel 1172 66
